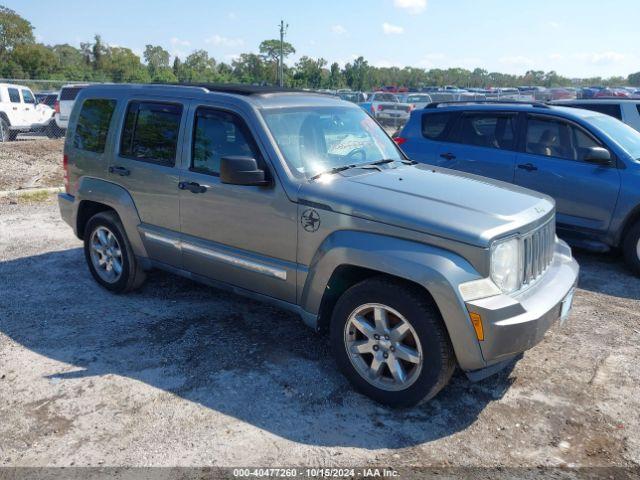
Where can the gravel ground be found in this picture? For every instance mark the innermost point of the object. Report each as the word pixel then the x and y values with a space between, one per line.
pixel 184 375
pixel 31 162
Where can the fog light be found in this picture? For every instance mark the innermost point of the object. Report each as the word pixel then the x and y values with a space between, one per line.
pixel 476 320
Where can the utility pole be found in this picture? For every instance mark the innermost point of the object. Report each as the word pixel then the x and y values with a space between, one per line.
pixel 283 30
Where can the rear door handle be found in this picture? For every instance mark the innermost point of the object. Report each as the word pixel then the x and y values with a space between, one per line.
pixel 123 172
pixel 448 156
pixel 529 167
pixel 193 187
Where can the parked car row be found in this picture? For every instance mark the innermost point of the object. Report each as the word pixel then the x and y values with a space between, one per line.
pixel 302 200
pixel 46 113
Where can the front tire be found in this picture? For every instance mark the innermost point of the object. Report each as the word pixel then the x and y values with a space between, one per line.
pixel 5 133
pixel 631 248
pixel 109 254
pixel 388 339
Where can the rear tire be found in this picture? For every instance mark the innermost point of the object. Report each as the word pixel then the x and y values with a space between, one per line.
pixel 424 353
pixel 631 248
pixel 5 133
pixel 109 254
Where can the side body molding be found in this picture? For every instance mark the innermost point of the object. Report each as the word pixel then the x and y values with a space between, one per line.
pixel 102 191
pixel 437 270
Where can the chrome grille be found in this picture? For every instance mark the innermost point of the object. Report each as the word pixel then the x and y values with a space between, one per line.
pixel 538 251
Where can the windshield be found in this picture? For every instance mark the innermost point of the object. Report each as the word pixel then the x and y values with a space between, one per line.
pixel 621 133
pixel 314 140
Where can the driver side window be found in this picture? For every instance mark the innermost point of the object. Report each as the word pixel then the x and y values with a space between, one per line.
pixel 219 134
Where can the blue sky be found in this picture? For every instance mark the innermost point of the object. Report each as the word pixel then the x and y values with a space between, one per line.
pixel 575 38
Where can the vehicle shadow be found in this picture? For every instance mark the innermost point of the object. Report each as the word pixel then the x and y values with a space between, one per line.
pixel 239 357
pixel 607 274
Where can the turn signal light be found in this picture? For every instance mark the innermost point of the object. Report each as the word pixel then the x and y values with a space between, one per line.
pixel 476 319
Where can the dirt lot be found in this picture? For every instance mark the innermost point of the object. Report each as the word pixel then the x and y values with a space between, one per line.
pixel 182 374
pixel 31 162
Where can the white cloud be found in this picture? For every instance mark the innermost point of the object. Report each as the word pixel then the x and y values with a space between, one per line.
pixel 230 57
pixel 517 60
pixel 338 29
pixel 219 40
pixel 232 15
pixel 414 7
pixel 383 63
pixel 555 56
pixel 603 58
pixel 390 29
pixel 176 42
pixel 554 24
pixel 431 60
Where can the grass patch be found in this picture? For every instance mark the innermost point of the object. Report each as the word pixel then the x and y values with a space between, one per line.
pixel 34 197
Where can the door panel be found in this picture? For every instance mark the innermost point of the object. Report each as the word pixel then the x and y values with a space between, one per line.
pixel 487 162
pixel 145 166
pixel 242 235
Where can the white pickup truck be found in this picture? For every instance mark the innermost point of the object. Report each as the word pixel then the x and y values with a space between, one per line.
pixel 20 113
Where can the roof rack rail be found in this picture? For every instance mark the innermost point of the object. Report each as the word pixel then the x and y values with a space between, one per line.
pixel 238 88
pixel 498 102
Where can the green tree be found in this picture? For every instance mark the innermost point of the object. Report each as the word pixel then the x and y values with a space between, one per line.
pixel 249 68
pixel 36 60
pixel 336 79
pixel 270 49
pixel 357 74
pixel 157 59
pixel 308 72
pixel 14 31
pixel 122 65
pixel 634 79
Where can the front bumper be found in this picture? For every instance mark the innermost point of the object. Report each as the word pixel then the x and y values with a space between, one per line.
pixel 515 323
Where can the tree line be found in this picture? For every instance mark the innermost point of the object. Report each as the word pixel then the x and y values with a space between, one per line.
pixel 21 56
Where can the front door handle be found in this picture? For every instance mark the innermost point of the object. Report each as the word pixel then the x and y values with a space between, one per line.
pixel 123 172
pixel 448 156
pixel 193 187
pixel 529 167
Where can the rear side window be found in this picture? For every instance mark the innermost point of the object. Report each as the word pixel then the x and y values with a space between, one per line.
pixel 69 93
pixel 219 134
pixel 610 109
pixel 434 125
pixel 28 96
pixel 151 132
pixel 14 95
pixel 491 130
pixel 93 124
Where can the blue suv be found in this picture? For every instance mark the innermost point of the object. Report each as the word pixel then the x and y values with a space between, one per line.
pixel 588 162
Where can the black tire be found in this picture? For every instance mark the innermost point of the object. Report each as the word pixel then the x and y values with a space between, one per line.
pixel 5 133
pixel 13 135
pixel 132 275
pixel 630 248
pixel 54 131
pixel 418 309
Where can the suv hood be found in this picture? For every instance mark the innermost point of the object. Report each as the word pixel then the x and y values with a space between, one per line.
pixel 432 200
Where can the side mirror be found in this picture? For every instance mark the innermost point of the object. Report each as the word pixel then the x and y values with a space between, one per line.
pixel 598 155
pixel 241 171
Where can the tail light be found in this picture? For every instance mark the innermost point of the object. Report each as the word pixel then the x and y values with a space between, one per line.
pixel 379 107
pixel 56 107
pixel 400 140
pixel 373 109
pixel 65 168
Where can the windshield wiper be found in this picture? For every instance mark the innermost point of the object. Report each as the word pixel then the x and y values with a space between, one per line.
pixel 334 170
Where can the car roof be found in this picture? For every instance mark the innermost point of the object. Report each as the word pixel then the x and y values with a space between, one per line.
pixel 567 112
pixel 596 101
pixel 258 96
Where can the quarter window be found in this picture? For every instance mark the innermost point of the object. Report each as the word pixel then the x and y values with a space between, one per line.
pixel 219 134
pixel 610 109
pixel 434 125
pixel 93 124
pixel 14 95
pixel 494 130
pixel 151 132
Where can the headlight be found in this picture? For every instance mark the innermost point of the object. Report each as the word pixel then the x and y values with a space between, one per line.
pixel 506 264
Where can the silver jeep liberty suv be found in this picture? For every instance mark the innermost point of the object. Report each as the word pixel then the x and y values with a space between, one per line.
pixel 303 200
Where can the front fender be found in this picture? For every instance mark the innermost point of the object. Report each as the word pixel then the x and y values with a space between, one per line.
pixel 116 197
pixel 439 271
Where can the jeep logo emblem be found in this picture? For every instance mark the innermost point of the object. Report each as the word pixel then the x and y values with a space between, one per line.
pixel 310 220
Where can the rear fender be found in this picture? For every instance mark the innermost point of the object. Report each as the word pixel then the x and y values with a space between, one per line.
pixel 120 200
